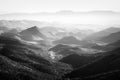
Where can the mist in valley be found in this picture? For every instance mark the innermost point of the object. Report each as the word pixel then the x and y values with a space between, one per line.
pixel 59 40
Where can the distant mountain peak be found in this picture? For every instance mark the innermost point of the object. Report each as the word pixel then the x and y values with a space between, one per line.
pixel 32 30
pixel 32 33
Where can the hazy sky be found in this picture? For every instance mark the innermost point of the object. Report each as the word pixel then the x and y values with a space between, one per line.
pixel 32 6
pixel 57 5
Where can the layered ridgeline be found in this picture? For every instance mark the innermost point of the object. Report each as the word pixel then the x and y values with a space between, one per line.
pixel 74 55
pixel 101 66
pixel 21 60
pixel 50 30
pixel 98 35
pixel 72 40
pixel 105 68
pixel 111 38
pixel 51 53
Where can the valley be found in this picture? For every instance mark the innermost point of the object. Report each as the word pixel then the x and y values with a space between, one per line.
pixel 54 53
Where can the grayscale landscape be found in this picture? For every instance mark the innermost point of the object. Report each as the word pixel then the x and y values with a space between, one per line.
pixel 59 40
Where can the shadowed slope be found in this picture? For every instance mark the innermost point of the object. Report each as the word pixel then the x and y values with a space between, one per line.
pixel 20 62
pixel 108 63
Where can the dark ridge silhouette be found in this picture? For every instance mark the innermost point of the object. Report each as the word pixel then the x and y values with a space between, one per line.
pixel 110 62
pixel 77 60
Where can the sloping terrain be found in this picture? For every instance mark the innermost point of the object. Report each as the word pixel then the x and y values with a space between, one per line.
pixel 68 40
pixel 32 34
pixel 71 40
pixel 53 33
pixel 26 54
pixel 109 65
pixel 60 47
pixel 19 61
pixel 108 47
pixel 111 38
pixel 77 61
pixel 73 56
pixel 103 33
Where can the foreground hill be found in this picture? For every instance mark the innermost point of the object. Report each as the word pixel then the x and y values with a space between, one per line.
pixel 20 61
pixel 73 55
pixel 77 60
pixel 104 68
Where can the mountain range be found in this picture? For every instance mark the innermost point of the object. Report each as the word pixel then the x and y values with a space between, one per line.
pixel 53 53
pixel 111 38
pixel 103 33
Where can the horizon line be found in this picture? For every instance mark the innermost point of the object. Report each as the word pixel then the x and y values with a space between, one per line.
pixel 60 11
